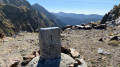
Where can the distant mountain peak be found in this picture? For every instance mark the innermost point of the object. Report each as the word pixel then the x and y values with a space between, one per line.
pixel 74 19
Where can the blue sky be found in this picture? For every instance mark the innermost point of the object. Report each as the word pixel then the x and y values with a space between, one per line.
pixel 78 6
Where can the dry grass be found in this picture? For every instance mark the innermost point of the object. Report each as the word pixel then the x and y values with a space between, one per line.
pixel 114 43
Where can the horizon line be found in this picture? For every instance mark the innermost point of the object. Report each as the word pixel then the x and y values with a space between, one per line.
pixel 75 13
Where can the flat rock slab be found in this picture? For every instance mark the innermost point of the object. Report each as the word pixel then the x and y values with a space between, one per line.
pixel 66 60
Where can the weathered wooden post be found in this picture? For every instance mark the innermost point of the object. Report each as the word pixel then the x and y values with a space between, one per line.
pixel 50 45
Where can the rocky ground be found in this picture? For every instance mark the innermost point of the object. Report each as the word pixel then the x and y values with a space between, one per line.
pixel 18 47
pixel 85 41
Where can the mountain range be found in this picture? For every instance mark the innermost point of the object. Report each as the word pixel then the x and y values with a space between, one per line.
pixel 20 15
pixel 76 19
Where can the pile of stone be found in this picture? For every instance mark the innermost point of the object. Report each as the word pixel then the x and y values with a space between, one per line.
pixel 89 26
pixel 69 58
pixel 52 54
pixel 28 58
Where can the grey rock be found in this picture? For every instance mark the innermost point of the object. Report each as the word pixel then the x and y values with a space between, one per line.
pixel 83 63
pixel 103 52
pixel 117 21
pixel 66 60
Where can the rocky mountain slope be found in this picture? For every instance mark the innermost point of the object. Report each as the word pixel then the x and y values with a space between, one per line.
pixel 16 2
pixel 48 14
pixel 19 15
pixel 113 17
pixel 74 19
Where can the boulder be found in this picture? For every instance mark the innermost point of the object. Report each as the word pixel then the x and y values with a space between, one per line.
pixel 79 27
pixel 88 27
pixel 68 29
pixel 114 38
pixel 93 25
pixel 66 60
pixel 101 26
pixel 69 26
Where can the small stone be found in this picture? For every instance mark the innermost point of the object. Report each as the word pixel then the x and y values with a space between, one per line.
pixel 5 40
pixel 28 57
pixel 103 52
pixel 71 65
pixel 83 63
pixel 62 35
pixel 26 62
pixel 65 50
pixel 78 61
pixel 74 53
pixel 21 34
pixel 37 53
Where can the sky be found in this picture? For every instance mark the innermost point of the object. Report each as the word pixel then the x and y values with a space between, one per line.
pixel 100 7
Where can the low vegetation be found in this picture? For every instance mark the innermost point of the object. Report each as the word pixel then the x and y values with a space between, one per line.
pixel 114 43
pixel 116 11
